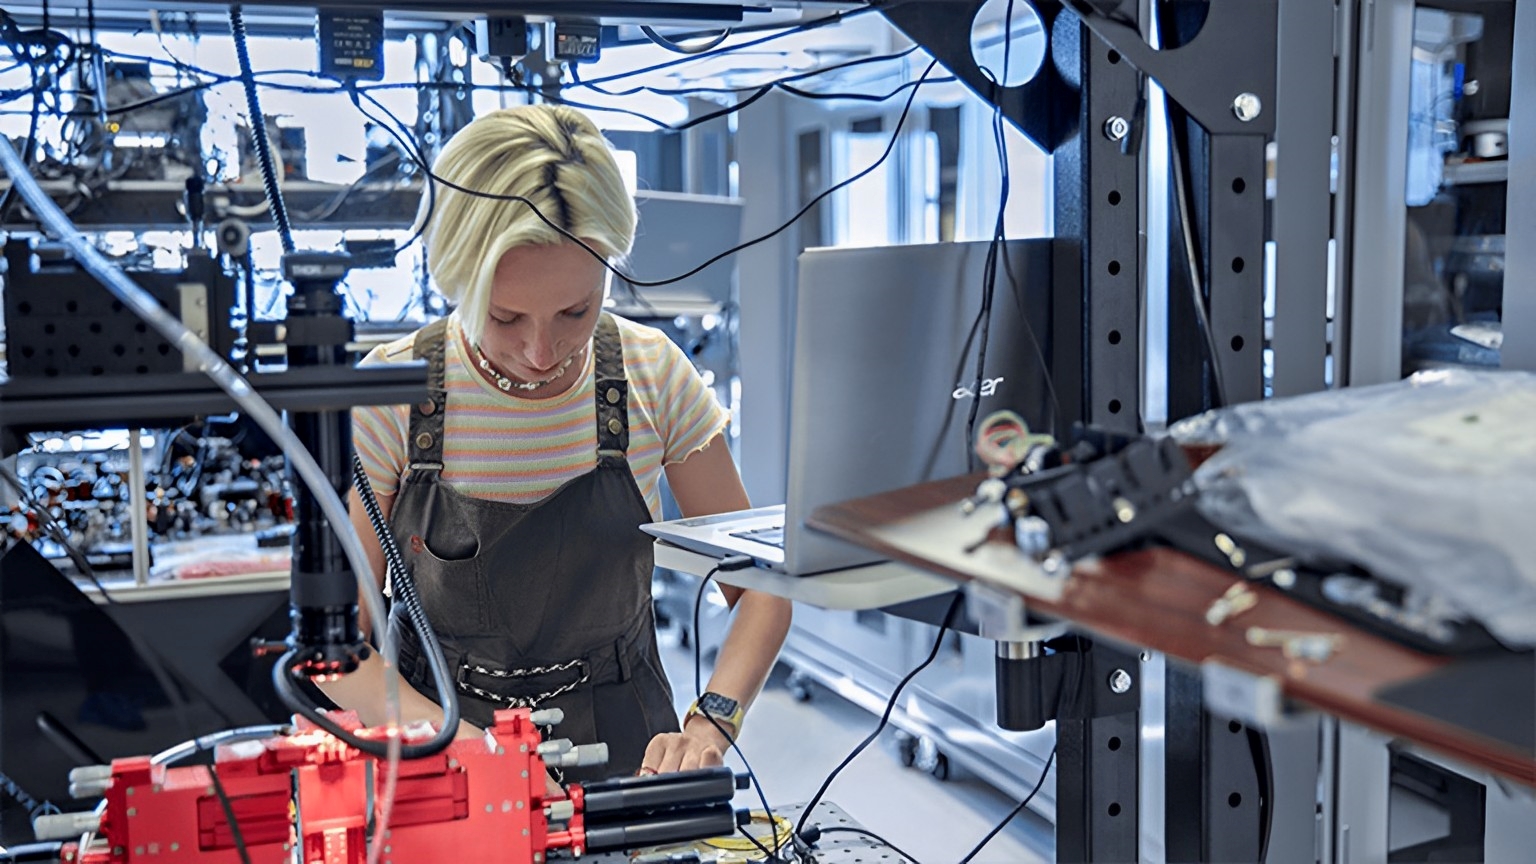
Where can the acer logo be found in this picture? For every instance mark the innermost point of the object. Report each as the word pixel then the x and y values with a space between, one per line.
pixel 988 388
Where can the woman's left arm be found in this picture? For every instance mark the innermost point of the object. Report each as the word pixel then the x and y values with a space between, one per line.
pixel 704 483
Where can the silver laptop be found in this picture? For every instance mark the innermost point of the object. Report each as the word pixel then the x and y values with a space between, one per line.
pixel 884 355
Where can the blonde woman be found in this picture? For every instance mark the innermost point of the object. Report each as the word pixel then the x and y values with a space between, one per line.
pixel 515 492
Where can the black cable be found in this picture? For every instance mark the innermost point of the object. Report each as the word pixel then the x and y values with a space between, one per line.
pixel 733 562
pixel 1044 772
pixel 698 650
pixel 982 323
pixel 416 155
pixel 229 814
pixel 1179 150
pixel 1034 342
pixel 849 829
pixel 652 283
pixel 259 132
pixel 41 51
pixel 728 110
pixel 283 674
pixel 696 91
pixel 834 18
pixel 1062 696
pixel 885 718
pixel 998 238
pixel 675 48
pixel 324 211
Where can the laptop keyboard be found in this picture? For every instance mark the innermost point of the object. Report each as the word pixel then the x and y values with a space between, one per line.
pixel 770 536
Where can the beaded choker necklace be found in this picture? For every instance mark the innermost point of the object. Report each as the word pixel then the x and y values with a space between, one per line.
pixel 507 384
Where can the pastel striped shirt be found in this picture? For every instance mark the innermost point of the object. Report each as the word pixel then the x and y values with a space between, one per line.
pixel 503 447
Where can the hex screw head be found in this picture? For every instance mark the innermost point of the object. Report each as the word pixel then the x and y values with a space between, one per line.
pixel 1247 107
pixel 1116 128
pixel 1120 681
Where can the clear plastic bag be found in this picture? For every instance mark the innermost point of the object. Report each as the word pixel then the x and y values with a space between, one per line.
pixel 1429 483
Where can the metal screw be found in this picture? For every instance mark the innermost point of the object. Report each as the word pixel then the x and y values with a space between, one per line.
pixel 1120 681
pixel 1125 511
pixel 1247 107
pixel 1146 656
pixel 1116 128
pixel 1055 564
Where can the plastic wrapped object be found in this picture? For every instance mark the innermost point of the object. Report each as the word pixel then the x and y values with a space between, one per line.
pixel 1429 483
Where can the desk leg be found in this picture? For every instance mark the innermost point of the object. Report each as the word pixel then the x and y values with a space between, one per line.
pixel 1098 761
pixel 1096 789
pixel 1215 780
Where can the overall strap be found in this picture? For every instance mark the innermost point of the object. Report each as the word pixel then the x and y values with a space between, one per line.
pixel 611 389
pixel 424 439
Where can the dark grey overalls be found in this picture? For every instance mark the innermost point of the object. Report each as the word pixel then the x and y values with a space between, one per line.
pixel 545 604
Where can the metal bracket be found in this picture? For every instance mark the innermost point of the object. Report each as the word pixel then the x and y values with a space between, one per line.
pixel 1235 47
pixel 1079 681
pixel 1254 699
pixel 1224 77
pixel 1045 108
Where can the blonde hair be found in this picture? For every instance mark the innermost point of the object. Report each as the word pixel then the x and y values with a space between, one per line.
pixel 551 155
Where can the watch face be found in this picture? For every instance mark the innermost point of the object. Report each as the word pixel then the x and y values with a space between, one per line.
pixel 717 705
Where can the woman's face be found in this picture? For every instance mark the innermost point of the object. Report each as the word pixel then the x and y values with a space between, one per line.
pixel 544 305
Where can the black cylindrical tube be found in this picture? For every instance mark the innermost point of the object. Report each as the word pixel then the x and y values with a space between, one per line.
pixel 323 589
pixel 659 792
pixel 1020 696
pixel 316 547
pixel 675 827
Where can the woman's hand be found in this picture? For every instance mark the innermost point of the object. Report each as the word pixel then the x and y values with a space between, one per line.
pixel 699 745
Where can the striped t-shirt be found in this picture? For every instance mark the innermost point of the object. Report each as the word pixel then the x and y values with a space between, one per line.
pixel 503 447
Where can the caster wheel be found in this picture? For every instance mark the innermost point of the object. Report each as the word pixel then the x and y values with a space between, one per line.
pixel 906 749
pixel 799 687
pixel 926 755
pixel 940 769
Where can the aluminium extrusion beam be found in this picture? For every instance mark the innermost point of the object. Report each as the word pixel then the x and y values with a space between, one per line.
pixel 1519 351
pixel 1303 132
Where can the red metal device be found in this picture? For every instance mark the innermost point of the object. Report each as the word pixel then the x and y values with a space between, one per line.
pixel 307 797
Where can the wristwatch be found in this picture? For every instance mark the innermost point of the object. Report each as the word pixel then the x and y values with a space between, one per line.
pixel 722 708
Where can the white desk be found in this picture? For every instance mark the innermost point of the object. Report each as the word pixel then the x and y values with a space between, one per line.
pixel 872 587
pixel 127 591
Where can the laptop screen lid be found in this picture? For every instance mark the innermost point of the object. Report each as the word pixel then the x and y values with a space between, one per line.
pixel 884 372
